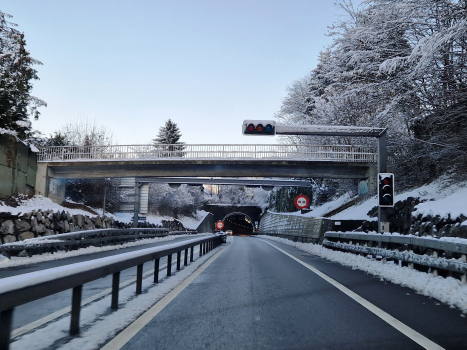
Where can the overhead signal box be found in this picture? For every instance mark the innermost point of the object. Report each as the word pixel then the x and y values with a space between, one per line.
pixel 259 127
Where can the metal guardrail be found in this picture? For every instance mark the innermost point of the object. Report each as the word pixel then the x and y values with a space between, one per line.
pixel 81 239
pixel 342 153
pixel 22 289
pixel 412 250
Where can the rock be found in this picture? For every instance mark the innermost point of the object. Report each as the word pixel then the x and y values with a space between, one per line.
pixel 25 235
pixel 7 227
pixel 8 239
pixel 40 217
pixel 48 232
pixel 26 216
pixel 78 220
pixel 22 226
pixel 58 226
pixel 66 226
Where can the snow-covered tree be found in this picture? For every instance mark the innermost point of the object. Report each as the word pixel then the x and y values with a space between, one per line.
pixel 399 64
pixel 16 76
pixel 169 134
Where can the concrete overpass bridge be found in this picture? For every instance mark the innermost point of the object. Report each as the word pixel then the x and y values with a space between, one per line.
pixel 56 164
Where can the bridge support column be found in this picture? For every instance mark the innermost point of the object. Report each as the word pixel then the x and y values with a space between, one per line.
pixel 48 186
pixel 369 185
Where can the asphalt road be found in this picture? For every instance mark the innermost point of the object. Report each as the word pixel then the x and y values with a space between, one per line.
pixel 255 297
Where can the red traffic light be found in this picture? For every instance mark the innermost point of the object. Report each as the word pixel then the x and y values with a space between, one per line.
pixel 259 127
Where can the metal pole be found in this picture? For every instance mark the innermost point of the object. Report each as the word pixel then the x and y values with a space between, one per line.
pixel 103 207
pixel 139 279
pixel 115 289
pixel 382 168
pixel 156 271
pixel 136 207
pixel 6 318
pixel 75 309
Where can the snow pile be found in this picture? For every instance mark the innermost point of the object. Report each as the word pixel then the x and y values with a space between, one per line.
pixel 442 198
pixel 329 206
pixel 40 203
pixel 448 290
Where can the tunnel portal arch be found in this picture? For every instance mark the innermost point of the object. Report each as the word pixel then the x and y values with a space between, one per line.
pixel 241 214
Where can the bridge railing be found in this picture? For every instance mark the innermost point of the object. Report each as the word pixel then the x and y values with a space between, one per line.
pixel 342 153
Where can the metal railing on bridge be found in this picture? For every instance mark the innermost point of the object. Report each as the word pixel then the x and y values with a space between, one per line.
pixel 342 153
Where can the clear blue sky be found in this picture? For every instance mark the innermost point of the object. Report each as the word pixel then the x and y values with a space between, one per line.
pixel 206 64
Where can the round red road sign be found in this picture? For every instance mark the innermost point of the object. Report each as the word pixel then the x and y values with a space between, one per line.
pixel 302 202
pixel 220 225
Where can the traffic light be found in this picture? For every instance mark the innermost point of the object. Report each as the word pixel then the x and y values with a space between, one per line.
pixel 259 127
pixel 385 189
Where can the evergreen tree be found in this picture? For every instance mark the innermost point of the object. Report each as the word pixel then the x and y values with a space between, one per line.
pixel 16 75
pixel 169 134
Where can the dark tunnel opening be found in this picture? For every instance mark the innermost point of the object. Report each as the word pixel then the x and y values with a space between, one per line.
pixel 239 224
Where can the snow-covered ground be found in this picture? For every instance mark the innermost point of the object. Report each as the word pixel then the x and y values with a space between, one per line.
pixel 443 198
pixel 43 203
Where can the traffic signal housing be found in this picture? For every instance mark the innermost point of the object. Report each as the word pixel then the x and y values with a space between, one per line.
pixel 259 127
pixel 386 189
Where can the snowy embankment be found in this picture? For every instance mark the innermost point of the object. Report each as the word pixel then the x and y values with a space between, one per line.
pixel 43 203
pixel 441 197
pixel 448 290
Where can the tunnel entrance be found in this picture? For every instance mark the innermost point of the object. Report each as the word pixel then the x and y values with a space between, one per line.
pixel 239 223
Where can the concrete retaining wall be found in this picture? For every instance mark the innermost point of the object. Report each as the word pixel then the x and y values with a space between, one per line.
pixel 18 167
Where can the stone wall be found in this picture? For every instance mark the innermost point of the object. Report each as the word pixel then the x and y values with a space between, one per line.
pixel 40 223
pixel 45 223
pixel 18 167
pixel 402 220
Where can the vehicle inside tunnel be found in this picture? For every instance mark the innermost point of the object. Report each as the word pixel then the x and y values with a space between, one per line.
pixel 239 224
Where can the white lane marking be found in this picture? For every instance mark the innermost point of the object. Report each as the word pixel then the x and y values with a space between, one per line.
pixel 46 319
pixel 401 327
pixel 124 337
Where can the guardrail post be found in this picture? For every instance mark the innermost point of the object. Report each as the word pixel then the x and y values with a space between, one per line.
pixel 185 261
pixel 191 253
pixel 463 276
pixel 411 266
pixel 201 250
pixel 139 279
pixel 115 289
pixel 156 270
pixel 435 271
pixel 75 309
pixel 179 256
pixel 169 265
pixel 6 318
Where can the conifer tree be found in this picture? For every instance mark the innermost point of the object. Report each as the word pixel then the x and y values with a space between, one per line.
pixel 169 134
pixel 16 75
